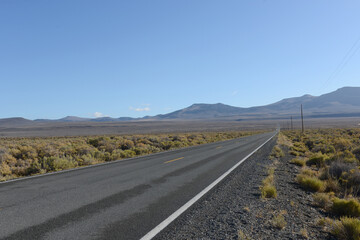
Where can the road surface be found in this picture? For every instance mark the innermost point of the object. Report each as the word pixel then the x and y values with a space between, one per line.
pixel 120 200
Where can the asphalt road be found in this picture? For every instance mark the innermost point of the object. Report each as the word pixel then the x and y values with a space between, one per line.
pixel 121 200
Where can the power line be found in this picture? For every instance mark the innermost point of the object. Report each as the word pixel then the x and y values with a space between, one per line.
pixel 350 53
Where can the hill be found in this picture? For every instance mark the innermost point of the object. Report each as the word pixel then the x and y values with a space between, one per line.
pixel 203 111
pixel 340 103
pixel 344 102
pixel 15 122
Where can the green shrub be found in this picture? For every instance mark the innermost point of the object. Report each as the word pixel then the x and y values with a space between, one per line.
pixel 294 153
pixel 4 169
pixel 341 144
pixel 310 183
pixel 324 148
pixel 63 163
pixel 299 148
pixel 308 172
pixel 347 156
pixel 317 159
pixel 347 228
pixel 298 161
pixel 343 207
pixel 88 160
pixel 128 154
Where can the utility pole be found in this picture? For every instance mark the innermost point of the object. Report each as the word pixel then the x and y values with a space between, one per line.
pixel 302 120
pixel 291 123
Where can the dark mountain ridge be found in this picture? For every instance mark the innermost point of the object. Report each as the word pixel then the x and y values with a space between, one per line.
pixel 14 122
pixel 344 102
pixel 203 111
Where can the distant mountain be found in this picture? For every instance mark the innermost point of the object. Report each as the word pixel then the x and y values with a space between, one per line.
pixel 203 111
pixel 128 118
pixel 109 119
pixel 65 119
pixel 344 102
pixel 15 122
pixel 73 119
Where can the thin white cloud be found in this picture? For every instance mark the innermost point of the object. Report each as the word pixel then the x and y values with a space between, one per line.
pixel 235 93
pixel 145 109
pixel 99 114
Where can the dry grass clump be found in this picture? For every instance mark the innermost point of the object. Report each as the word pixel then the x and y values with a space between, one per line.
pixel 277 152
pixel 346 207
pixel 268 191
pixel 242 236
pixel 283 140
pixel 267 188
pixel 325 222
pixel 346 228
pixel 304 233
pixel 298 161
pixel 322 200
pixel 279 221
pixel 309 172
pixel 310 183
pixel 332 185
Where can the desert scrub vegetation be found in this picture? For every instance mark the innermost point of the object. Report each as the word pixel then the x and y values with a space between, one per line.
pixel 298 161
pixel 346 207
pixel 277 152
pixel 346 228
pixel 267 188
pixel 322 200
pixel 242 235
pixel 309 181
pixel 278 221
pixel 330 160
pixel 27 156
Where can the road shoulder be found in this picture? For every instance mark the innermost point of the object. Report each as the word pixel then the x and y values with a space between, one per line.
pixel 235 210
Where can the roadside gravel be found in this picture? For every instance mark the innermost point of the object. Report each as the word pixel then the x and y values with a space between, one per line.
pixel 235 206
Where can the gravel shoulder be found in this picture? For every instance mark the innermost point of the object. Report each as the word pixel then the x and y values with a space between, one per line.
pixel 235 210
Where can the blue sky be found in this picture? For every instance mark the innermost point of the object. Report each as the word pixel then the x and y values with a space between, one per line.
pixel 135 58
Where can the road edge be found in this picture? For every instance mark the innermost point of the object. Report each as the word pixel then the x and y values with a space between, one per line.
pixel 151 234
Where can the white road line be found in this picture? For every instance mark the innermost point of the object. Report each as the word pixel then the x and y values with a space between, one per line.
pixel 182 209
